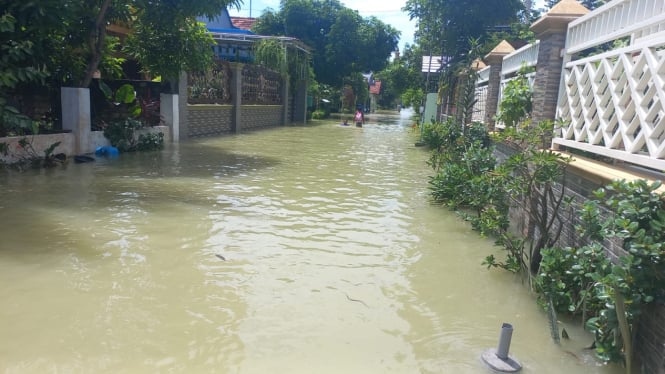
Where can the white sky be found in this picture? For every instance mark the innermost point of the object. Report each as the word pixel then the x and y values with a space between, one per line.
pixel 388 11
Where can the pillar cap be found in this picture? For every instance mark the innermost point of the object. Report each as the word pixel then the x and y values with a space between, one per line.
pixel 558 18
pixel 496 55
pixel 478 64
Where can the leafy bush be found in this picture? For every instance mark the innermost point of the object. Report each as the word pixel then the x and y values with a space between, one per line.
pixel 150 142
pixel 515 104
pixel 609 295
pixel 319 114
pixel 121 134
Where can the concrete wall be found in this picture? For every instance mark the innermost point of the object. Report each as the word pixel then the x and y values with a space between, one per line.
pixel 209 120
pixel 68 144
pixel 258 116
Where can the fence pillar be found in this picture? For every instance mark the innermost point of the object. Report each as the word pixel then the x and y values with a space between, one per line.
pixel 236 95
pixel 75 102
pixel 285 99
pixel 183 111
pixel 300 102
pixel 495 60
pixel 551 30
pixel 169 110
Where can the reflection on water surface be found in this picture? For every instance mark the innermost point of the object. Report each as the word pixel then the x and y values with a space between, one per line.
pixel 307 249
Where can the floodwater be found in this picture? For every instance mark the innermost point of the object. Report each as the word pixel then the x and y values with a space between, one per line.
pixel 306 249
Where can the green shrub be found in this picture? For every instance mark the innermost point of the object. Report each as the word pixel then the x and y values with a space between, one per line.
pixel 150 142
pixel 515 104
pixel 319 114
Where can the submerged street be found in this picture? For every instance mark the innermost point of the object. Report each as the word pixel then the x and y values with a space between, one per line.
pixel 304 249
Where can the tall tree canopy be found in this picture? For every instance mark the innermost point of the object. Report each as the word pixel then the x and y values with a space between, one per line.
pixel 447 26
pixel 343 42
pixel 401 75
pixel 73 41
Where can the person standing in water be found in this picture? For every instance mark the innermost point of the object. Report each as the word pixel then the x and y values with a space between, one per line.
pixel 359 118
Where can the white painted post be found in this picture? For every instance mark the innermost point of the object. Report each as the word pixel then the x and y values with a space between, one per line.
pixel 169 110
pixel 75 102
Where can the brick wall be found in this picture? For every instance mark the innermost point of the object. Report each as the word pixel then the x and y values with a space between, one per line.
pixel 649 344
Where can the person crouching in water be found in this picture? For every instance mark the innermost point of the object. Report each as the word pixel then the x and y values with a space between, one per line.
pixel 359 118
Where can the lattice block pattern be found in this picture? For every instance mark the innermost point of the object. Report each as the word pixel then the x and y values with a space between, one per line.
pixel 615 103
pixel 480 104
pixel 261 86
pixel 212 86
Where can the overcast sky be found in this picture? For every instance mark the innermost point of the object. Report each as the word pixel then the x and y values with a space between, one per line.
pixel 388 11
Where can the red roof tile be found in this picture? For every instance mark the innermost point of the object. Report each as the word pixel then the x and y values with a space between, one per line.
pixel 243 23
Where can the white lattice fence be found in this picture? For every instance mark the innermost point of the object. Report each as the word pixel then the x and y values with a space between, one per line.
pixel 612 103
pixel 480 104
pixel 481 95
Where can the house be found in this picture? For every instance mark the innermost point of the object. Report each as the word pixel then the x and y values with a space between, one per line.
pixel 231 43
pixel 234 40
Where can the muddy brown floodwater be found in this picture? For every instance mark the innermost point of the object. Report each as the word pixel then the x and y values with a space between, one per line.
pixel 306 249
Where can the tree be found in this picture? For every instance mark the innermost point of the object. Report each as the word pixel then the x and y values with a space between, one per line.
pixel 73 39
pixel 343 42
pixel 396 79
pixel 447 26
pixel 17 66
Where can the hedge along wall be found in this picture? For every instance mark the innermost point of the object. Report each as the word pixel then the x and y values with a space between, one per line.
pixel 649 345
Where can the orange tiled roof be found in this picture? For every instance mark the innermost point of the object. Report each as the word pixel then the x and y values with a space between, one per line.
pixel 243 23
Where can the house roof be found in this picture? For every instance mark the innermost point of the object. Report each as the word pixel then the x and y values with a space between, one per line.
pixel 223 29
pixel 243 23
pixel 222 23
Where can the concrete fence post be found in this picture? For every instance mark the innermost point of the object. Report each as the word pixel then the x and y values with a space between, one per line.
pixel 169 110
pixel 300 104
pixel 285 99
pixel 236 95
pixel 495 60
pixel 76 117
pixel 182 112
